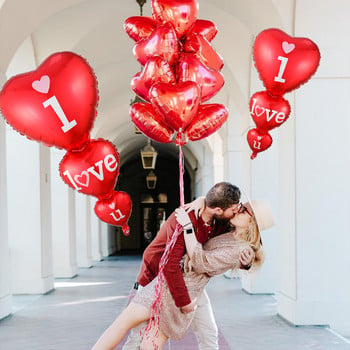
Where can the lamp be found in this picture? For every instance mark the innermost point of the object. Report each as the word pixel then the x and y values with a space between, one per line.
pixel 148 156
pixel 151 180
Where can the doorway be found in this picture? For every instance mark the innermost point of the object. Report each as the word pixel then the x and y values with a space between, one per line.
pixel 153 211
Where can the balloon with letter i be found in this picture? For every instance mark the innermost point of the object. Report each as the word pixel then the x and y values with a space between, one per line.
pixel 284 63
pixel 56 105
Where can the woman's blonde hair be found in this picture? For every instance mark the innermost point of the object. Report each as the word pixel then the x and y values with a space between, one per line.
pixel 254 239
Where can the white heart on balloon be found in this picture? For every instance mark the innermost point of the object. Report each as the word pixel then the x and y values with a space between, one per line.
pixel 80 179
pixel 259 110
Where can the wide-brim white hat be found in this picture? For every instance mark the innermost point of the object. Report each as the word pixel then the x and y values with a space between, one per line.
pixel 262 212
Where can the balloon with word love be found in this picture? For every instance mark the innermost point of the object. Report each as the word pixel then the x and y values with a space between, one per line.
pixel 92 170
pixel 176 104
pixel 180 13
pixel 140 27
pixel 115 210
pixel 284 62
pixel 150 123
pixel 258 141
pixel 156 70
pixel 162 42
pixel 267 111
pixel 55 104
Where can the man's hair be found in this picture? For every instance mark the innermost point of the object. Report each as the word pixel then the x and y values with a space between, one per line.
pixel 222 195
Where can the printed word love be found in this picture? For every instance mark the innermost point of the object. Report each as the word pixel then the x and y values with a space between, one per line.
pixel 110 164
pixel 268 112
pixel 92 171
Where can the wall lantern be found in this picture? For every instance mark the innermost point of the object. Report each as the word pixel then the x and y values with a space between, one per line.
pixel 148 156
pixel 151 180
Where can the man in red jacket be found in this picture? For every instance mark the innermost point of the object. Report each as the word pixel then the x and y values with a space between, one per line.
pixel 221 204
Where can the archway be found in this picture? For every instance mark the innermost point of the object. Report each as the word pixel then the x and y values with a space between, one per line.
pixel 151 207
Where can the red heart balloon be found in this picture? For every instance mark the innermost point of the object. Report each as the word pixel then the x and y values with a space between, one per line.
pixel 115 210
pixel 204 27
pixel 162 42
pixel 258 141
pixel 209 80
pixel 268 112
pixel 284 62
pixel 55 104
pixel 94 170
pixel 180 13
pixel 156 70
pixel 139 27
pixel 150 123
pixel 197 44
pixel 176 104
pixel 210 118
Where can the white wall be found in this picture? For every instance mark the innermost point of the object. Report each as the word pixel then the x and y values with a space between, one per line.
pixel 63 221
pixel 83 230
pixel 29 200
pixel 315 195
pixel 5 275
pixel 96 235
pixel 29 219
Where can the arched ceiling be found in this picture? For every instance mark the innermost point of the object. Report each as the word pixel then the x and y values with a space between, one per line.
pixel 94 29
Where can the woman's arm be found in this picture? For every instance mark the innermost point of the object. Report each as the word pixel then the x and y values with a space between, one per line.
pixel 184 220
pixel 196 206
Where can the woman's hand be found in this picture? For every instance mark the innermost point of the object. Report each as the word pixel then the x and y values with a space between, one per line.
pixel 197 205
pixel 183 218
pixel 246 257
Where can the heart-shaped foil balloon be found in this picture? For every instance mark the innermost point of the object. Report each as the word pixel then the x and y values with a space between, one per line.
pixel 115 210
pixel 176 104
pixel 284 62
pixel 55 104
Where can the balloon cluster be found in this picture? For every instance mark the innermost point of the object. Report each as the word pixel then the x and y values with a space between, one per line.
pixel 181 70
pixel 56 105
pixel 283 63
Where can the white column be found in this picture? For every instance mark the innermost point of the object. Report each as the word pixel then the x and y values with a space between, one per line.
pixel 83 230
pixel 63 222
pixel 314 180
pixel 29 214
pixel 207 178
pixel 236 150
pixel 264 172
pixel 5 293
pixel 104 239
pixel 96 239
pixel 111 240
pixel 260 181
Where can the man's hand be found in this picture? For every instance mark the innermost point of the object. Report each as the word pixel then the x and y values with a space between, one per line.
pixel 246 257
pixel 189 307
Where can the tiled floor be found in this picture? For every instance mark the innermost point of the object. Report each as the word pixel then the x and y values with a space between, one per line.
pixel 78 310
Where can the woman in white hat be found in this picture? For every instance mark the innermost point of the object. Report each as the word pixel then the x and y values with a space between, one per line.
pixel 218 255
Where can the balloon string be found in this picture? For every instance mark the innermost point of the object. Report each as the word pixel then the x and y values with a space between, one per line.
pixel 181 176
pixel 154 320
